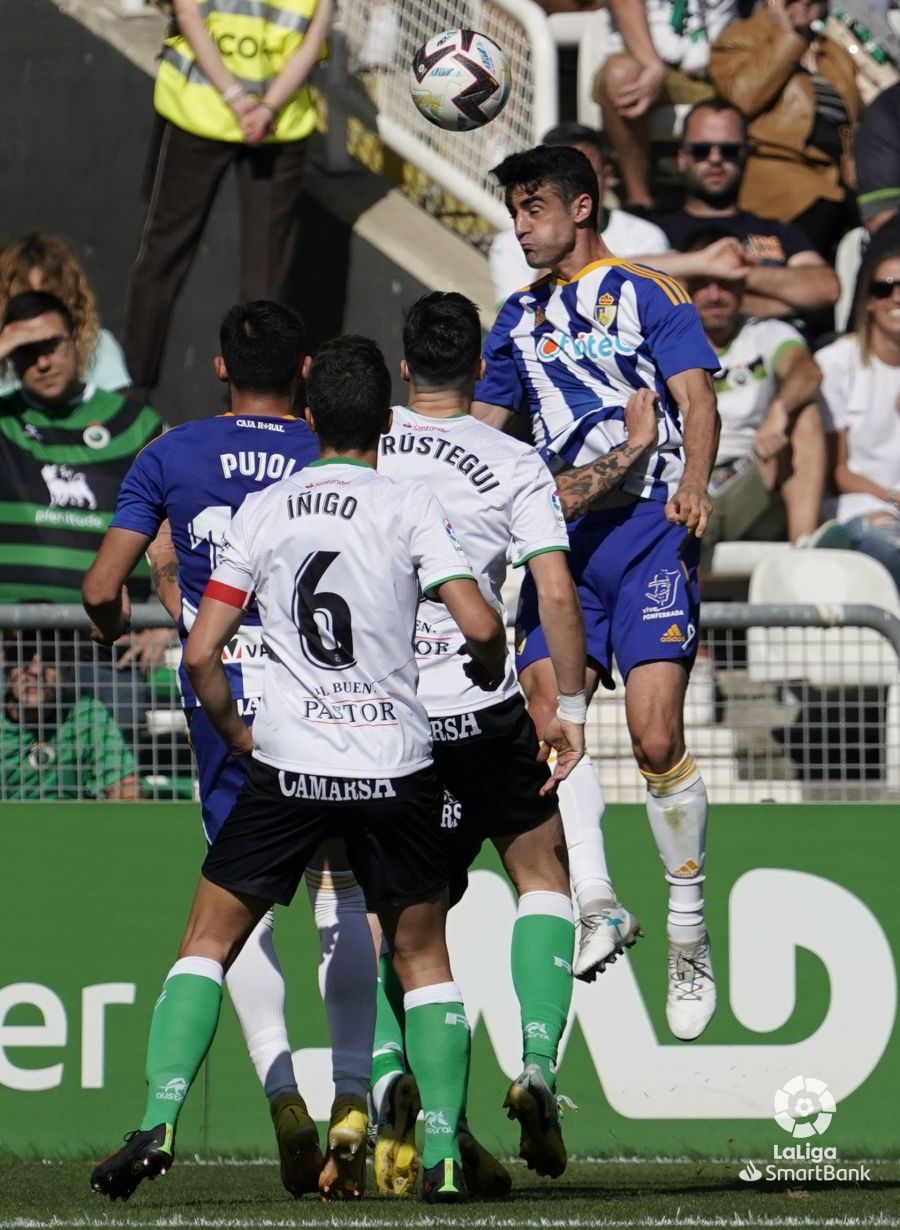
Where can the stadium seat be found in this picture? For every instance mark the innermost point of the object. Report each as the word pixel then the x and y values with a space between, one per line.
pixel 738 559
pixel 829 657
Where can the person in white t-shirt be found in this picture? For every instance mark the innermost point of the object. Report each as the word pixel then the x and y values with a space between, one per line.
pixel 504 506
pixel 860 402
pixel 337 557
pixel 769 472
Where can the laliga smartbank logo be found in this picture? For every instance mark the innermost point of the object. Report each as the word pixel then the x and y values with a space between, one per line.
pixel 804 1107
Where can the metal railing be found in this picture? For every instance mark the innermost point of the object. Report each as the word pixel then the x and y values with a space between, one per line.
pixel 459 162
pixel 787 703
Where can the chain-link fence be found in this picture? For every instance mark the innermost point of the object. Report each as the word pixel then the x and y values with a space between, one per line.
pixel 786 703
pixel 381 39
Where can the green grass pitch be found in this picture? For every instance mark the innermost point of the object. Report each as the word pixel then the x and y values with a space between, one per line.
pixel 55 1194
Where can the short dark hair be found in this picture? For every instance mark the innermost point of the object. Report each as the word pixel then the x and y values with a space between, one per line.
pixel 442 341
pixel 571 133
pixel 560 167
pixel 718 105
pixel 263 345
pixel 348 390
pixel 33 303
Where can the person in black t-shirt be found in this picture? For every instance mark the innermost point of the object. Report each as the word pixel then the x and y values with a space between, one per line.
pixel 785 276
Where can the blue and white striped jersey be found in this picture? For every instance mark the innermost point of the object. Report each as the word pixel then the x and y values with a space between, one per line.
pixel 571 353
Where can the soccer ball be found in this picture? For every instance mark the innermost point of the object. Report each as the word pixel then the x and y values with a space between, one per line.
pixel 460 80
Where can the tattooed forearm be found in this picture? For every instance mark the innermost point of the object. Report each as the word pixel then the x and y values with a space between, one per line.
pixel 164 574
pixel 582 487
pixel 165 582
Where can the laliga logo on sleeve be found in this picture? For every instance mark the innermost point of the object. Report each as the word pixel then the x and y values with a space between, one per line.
pixel 804 1107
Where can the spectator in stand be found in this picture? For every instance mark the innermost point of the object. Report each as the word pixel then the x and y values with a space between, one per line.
pixel 232 88
pixel 860 399
pixel 40 260
pixel 630 238
pixel 784 275
pixel 877 166
pixel 798 92
pixel 55 744
pixel 64 449
pixel 660 57
pixel 769 472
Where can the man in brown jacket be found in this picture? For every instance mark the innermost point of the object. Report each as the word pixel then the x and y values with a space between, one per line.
pixel 798 92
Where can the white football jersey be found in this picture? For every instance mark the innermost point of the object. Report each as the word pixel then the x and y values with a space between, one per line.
pixel 747 381
pixel 336 556
pixel 501 500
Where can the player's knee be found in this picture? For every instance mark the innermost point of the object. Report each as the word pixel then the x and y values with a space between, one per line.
pixel 658 748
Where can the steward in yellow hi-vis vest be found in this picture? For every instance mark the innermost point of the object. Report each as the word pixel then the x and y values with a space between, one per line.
pixel 254 38
pixel 232 94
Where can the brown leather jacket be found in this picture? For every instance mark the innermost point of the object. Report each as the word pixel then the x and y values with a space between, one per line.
pixel 756 65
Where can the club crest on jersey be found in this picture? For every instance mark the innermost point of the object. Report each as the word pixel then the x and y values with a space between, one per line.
pixel 96 436
pixel 605 311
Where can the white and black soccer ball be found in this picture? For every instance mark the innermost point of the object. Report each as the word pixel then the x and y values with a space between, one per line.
pixel 460 80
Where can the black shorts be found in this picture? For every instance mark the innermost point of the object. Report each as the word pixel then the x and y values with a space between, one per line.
pixel 391 826
pixel 487 760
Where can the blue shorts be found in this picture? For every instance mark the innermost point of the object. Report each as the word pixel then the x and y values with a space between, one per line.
pixel 636 576
pixel 221 776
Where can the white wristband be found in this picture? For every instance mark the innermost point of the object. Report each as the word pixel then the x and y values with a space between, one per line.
pixel 572 708
pixel 234 91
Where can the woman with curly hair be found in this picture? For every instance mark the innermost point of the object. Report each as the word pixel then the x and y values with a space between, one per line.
pixel 40 260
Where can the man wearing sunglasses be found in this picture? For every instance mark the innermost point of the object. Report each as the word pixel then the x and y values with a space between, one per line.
pixel 784 277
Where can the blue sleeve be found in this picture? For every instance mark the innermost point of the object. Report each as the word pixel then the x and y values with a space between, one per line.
pixel 502 384
pixel 672 329
pixel 141 505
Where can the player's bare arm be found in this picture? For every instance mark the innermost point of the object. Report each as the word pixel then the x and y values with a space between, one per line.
pixel 163 560
pixel 562 620
pixel 495 416
pixel 103 590
pixel 695 397
pixel 584 487
pixel 482 627
pixel 215 624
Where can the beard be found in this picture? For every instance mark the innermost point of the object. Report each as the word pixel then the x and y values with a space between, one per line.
pixel 718 198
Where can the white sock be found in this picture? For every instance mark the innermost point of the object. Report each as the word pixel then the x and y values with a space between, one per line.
pixel 347 975
pixel 256 986
pixel 581 807
pixel 677 808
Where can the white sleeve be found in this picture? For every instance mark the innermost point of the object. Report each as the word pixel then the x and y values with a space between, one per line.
pixel 232 580
pixel 435 549
pixel 537 523
pixel 834 363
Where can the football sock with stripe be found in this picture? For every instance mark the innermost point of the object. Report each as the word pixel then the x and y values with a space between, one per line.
pixel 388 1056
pixel 437 1045
pixel 183 1026
pixel 677 808
pixel 347 973
pixel 256 987
pixel 581 806
pixel 543 942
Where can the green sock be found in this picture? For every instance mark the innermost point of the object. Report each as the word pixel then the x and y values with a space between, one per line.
pixel 437 1043
pixel 542 950
pixel 183 1026
pixel 388 1051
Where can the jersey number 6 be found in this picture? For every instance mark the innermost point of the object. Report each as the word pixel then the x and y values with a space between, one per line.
pixel 323 618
